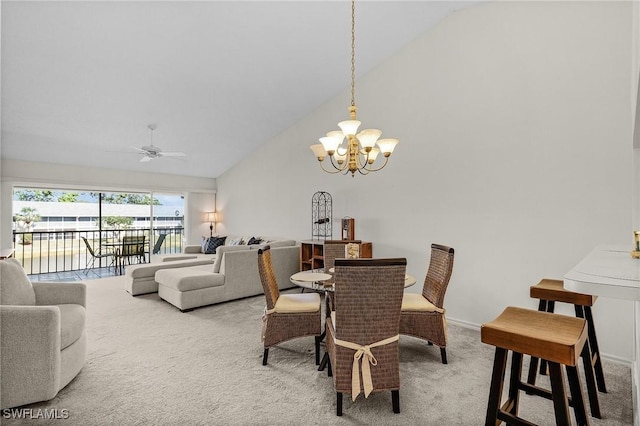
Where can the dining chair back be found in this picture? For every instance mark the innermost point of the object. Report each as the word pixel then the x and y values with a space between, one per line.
pixel 366 321
pixel 335 249
pixel 423 315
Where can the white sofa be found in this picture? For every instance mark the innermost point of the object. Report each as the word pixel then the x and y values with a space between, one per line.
pixel 233 275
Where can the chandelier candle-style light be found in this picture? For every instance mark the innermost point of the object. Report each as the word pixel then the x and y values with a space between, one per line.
pixel 360 151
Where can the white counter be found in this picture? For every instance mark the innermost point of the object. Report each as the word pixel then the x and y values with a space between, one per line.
pixel 610 271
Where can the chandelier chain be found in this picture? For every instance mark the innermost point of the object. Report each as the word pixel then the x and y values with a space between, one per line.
pixel 353 52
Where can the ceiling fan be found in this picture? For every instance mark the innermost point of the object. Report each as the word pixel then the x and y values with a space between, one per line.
pixel 149 152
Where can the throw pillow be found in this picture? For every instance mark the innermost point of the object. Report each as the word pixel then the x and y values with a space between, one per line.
pixel 254 240
pixel 15 287
pixel 213 243
pixel 236 242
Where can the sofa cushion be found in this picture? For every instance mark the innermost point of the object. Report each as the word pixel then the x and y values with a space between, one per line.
pixel 282 243
pixel 72 322
pixel 222 251
pixel 213 243
pixel 15 287
pixel 191 278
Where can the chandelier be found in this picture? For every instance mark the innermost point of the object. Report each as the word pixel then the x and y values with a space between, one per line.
pixel 360 151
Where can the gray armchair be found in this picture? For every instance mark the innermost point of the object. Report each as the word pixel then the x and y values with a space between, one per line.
pixel 43 340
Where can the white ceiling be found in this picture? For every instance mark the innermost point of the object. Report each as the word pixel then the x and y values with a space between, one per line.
pixel 81 80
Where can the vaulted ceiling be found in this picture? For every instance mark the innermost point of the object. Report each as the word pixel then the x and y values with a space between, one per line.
pixel 81 80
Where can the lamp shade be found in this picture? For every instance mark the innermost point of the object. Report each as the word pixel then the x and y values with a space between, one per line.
pixel 368 137
pixel 211 217
pixel 349 127
pixel 318 151
pixel 387 146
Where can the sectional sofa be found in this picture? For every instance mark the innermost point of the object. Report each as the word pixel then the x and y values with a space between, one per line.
pixel 193 279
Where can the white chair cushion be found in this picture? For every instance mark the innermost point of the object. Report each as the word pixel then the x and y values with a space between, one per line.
pixel 72 323
pixel 417 302
pixel 296 303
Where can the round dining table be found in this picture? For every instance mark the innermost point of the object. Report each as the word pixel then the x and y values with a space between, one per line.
pixel 315 279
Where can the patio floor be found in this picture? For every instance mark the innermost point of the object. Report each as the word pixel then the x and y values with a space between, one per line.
pixel 91 274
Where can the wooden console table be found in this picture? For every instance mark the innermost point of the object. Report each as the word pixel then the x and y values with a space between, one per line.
pixel 312 253
pixel 611 272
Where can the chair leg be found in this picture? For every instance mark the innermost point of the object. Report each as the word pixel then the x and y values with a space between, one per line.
pixel 443 354
pixel 558 394
pixel 395 401
pixel 576 396
pixel 595 350
pixel 338 403
pixel 265 355
pixel 329 370
pixel 533 364
pixel 514 382
pixel 497 382
pixel 592 390
pixel 317 338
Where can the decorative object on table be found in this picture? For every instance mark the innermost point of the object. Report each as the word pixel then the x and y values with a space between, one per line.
pixel 636 245
pixel 360 151
pixel 211 217
pixel 348 228
pixel 363 330
pixel 150 152
pixel 423 315
pixel 352 250
pixel 286 316
pixel 321 228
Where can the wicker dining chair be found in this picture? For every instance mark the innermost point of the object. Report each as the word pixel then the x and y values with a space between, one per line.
pixel 287 316
pixel 366 322
pixel 333 249
pixel 423 315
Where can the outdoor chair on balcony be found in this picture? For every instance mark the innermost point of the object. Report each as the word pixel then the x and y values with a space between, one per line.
pixel 132 248
pixel 158 244
pixel 99 254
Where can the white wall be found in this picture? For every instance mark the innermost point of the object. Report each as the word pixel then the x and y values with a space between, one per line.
pixel 199 192
pixel 514 125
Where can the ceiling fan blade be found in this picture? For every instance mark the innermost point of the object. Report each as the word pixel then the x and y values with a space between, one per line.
pixel 172 154
pixel 145 159
pixel 138 149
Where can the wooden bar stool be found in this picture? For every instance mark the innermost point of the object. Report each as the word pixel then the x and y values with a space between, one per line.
pixel 551 291
pixel 558 339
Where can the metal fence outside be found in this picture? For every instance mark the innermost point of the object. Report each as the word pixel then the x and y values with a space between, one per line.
pixel 43 252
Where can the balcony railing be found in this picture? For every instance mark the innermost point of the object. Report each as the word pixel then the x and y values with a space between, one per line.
pixel 43 252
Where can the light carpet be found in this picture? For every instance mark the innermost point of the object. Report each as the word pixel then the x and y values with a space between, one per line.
pixel 150 364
